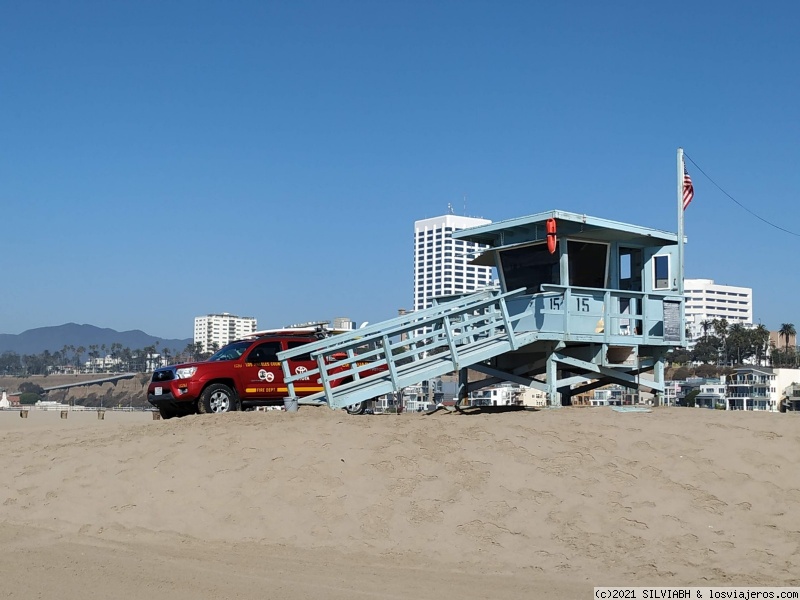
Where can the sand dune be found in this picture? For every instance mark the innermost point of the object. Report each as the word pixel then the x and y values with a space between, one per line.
pixel 325 505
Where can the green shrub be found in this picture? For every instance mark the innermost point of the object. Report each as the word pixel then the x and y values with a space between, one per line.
pixel 690 397
pixel 31 387
pixel 29 398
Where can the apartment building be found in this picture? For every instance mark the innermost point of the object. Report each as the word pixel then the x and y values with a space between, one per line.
pixel 441 264
pixel 221 329
pixel 706 301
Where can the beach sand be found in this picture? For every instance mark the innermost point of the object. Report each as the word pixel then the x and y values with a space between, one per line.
pixel 319 504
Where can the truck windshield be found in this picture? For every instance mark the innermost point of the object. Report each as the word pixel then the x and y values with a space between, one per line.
pixel 230 352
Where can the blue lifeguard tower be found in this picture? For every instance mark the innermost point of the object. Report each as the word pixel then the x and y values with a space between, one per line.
pixel 583 302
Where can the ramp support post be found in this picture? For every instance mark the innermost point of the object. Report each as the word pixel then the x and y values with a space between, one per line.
pixel 553 397
pixel 566 392
pixel 463 387
pixel 658 377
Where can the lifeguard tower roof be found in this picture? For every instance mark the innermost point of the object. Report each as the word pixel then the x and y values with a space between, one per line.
pixel 502 234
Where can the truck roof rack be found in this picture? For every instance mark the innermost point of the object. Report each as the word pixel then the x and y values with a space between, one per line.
pixel 321 329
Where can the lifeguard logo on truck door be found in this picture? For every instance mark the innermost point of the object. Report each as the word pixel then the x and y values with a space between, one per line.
pixel 265 375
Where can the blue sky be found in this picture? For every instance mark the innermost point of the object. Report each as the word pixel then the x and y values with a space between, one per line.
pixel 163 160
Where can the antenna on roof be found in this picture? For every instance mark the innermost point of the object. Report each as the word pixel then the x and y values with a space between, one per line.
pixel 450 209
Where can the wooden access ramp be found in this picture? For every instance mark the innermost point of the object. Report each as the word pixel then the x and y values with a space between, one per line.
pixel 383 358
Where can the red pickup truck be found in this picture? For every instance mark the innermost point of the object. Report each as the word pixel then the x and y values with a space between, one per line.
pixel 241 375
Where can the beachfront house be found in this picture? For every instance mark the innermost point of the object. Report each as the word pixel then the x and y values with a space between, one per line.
pixel 712 394
pixel 791 397
pixel 758 388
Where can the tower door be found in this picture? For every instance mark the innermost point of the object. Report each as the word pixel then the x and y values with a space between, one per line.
pixel 631 261
pixel 631 264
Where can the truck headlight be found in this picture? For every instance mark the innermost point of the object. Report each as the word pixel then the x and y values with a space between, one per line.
pixel 185 372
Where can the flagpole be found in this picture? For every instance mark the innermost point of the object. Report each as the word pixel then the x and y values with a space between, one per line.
pixel 679 276
pixel 681 212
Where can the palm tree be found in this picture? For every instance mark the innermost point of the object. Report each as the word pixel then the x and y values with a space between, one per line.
pixel 761 342
pixel 738 343
pixel 126 354
pixel 706 325
pixel 70 349
pixel 115 350
pixel 65 356
pixel 720 327
pixel 787 332
pixel 78 353
pixel 94 355
pixel 149 356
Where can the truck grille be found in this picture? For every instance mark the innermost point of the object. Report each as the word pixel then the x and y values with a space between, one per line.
pixel 164 375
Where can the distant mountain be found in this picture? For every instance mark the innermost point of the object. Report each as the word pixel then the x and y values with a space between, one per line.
pixel 36 341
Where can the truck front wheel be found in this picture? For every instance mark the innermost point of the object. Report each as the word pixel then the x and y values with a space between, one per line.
pixel 217 398
pixel 167 412
pixel 358 408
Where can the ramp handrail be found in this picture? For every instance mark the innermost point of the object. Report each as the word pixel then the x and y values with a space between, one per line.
pixel 382 350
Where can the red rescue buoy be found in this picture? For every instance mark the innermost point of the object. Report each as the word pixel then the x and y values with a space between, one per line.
pixel 551 235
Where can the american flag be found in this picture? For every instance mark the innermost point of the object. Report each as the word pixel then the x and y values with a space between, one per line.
pixel 688 188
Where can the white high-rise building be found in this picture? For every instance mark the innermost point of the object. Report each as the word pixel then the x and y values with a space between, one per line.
pixel 221 329
pixel 706 301
pixel 441 263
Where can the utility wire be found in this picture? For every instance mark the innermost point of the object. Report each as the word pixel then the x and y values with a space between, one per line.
pixel 739 203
